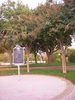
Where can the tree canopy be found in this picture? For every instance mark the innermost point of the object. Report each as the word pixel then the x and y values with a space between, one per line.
pixel 47 28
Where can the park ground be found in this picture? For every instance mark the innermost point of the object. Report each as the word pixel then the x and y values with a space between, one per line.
pixel 44 69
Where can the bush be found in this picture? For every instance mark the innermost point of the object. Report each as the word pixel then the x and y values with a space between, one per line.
pixel 71 58
pixel 4 57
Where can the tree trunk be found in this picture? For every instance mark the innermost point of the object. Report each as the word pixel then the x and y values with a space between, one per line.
pixel 27 54
pixel 49 58
pixel 63 58
pixel 35 55
pixel 49 55
pixel 10 57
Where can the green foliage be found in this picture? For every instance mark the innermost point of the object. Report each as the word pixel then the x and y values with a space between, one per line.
pixel 8 9
pixel 57 27
pixel 72 57
pixel 40 29
pixel 33 59
pixel 16 23
pixel 69 51
pixel 57 57
pixel 22 9
pixel 70 4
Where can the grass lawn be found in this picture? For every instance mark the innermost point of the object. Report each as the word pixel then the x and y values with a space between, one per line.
pixel 45 65
pixel 69 75
pixel 52 64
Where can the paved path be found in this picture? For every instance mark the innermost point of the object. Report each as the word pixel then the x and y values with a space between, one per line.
pixel 71 96
pixel 50 68
pixel 25 87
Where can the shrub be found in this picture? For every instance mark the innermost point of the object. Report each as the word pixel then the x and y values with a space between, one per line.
pixel 71 58
pixel 4 57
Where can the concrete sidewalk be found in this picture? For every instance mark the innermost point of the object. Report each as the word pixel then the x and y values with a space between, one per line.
pixel 33 87
pixel 50 68
pixel 71 96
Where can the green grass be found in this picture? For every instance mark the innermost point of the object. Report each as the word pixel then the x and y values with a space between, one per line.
pixel 71 64
pixel 49 65
pixel 8 72
pixel 69 75
pixel 52 64
pixel 45 65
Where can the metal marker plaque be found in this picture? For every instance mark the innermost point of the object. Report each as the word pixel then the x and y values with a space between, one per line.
pixel 18 55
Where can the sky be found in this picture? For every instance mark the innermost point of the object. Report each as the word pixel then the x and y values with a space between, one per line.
pixel 73 43
pixel 33 4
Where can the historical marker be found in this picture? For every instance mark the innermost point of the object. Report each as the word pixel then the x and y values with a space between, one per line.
pixel 18 56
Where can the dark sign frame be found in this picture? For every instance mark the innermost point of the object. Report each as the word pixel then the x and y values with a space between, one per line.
pixel 18 55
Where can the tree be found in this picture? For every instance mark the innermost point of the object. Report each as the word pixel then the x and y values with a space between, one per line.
pixel 25 24
pixel 70 4
pixel 35 48
pixel 43 12
pixel 18 22
pixel 47 41
pixel 61 28
pixel 7 12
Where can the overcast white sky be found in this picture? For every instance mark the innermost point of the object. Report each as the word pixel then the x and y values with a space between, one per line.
pixel 73 43
pixel 33 4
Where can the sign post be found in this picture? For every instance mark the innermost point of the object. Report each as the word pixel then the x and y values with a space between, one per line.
pixel 18 69
pixel 18 56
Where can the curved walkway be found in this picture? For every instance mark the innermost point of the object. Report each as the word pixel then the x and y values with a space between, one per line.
pixel 34 87
pixel 50 68
pixel 71 96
